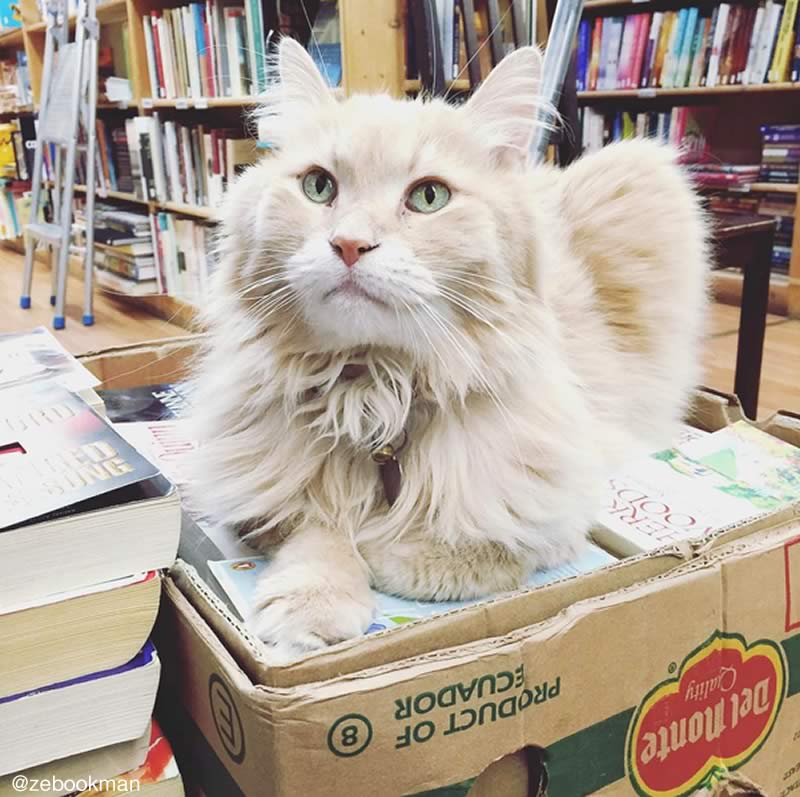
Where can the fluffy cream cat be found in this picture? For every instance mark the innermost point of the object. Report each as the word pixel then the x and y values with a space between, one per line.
pixel 397 274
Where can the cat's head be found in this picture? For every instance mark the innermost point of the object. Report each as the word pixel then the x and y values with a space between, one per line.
pixel 390 222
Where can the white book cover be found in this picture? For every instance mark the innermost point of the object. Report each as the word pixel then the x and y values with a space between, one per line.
pixel 166 61
pixel 187 22
pixel 232 36
pixel 772 18
pixel 171 157
pixel 719 36
pixel 151 55
pixel 752 50
pixel 614 45
pixel 164 443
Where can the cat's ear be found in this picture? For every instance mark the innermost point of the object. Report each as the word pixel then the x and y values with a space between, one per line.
pixel 298 87
pixel 505 108
pixel 301 81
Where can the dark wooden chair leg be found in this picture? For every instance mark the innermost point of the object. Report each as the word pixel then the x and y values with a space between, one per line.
pixel 752 325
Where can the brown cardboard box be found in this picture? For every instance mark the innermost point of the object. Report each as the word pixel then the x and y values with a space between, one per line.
pixel 669 674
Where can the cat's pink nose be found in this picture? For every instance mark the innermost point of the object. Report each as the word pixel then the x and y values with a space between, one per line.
pixel 350 250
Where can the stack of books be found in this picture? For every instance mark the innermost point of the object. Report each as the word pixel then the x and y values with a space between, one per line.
pixel 124 255
pixel 724 175
pixel 780 154
pixel 86 523
pixel 681 127
pixel 782 208
pixel 690 47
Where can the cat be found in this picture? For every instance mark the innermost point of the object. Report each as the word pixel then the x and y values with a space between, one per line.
pixel 395 273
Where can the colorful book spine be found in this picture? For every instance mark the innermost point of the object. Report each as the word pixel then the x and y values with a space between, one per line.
pixel 640 44
pixel 720 30
pixel 626 52
pixel 779 68
pixel 584 42
pixel 670 20
pixel 650 48
pixel 594 61
pixel 687 49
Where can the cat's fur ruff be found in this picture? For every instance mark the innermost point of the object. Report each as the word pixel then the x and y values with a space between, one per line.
pixel 537 330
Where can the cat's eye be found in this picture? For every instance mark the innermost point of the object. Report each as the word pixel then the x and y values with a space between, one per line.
pixel 428 196
pixel 319 186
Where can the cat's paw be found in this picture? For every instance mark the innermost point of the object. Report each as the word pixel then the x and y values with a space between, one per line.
pixel 301 608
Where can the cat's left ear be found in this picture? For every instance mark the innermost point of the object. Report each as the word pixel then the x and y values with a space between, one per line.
pixel 506 105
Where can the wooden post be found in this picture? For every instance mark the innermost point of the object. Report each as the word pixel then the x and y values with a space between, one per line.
pixel 373 48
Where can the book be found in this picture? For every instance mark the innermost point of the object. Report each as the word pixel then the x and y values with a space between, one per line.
pixel 650 49
pixel 701 485
pixel 160 402
pixel 779 68
pixel 73 490
pixel 156 776
pixel 594 59
pixel 71 717
pixel 720 37
pixel 93 765
pixel 69 634
pixel 36 357
pixel 237 578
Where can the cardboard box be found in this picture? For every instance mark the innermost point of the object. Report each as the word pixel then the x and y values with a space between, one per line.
pixel 661 675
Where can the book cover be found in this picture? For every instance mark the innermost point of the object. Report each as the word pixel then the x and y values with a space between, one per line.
pixel 752 50
pixel 55 452
pixel 160 402
pixel 238 578
pixel 768 41
pixel 672 53
pixel 36 357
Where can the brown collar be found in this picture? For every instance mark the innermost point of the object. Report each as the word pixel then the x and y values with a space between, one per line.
pixel 386 456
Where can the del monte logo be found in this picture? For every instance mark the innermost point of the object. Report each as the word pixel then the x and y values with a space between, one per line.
pixel 715 713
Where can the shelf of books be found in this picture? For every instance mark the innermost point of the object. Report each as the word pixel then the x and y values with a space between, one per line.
pixel 722 82
pixel 176 85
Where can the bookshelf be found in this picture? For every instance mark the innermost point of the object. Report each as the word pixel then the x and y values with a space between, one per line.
pixel 373 58
pixel 740 103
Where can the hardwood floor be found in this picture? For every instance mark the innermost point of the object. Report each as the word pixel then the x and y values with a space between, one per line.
pixel 117 322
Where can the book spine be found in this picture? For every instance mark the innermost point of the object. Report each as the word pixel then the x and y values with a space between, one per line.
pixel 687 49
pixel 594 61
pixel 795 73
pixel 625 52
pixel 769 42
pixel 209 53
pixel 581 57
pixel 650 49
pixel 752 52
pixel 720 33
pixel 642 38
pixel 726 53
pixel 162 84
pixel 673 50
pixel 783 48
pixel 743 50
pixel 149 49
pixel 670 18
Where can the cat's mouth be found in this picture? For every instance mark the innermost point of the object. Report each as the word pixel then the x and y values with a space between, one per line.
pixel 352 289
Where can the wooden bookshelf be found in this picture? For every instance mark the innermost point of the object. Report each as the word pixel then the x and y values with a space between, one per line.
pixel 460 84
pixel 652 94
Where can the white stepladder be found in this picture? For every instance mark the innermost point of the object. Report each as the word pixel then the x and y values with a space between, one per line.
pixel 67 111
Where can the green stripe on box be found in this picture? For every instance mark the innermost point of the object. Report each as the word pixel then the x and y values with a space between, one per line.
pixel 455 790
pixel 791 647
pixel 589 759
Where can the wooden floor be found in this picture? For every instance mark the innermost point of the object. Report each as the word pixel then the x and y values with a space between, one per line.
pixel 117 323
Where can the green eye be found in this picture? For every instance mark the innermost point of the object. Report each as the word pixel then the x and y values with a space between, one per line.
pixel 319 186
pixel 428 196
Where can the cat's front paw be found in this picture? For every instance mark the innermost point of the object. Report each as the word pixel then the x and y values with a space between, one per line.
pixel 301 608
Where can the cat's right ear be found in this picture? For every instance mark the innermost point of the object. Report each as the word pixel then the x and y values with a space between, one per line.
pixel 298 88
pixel 505 107
pixel 300 80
